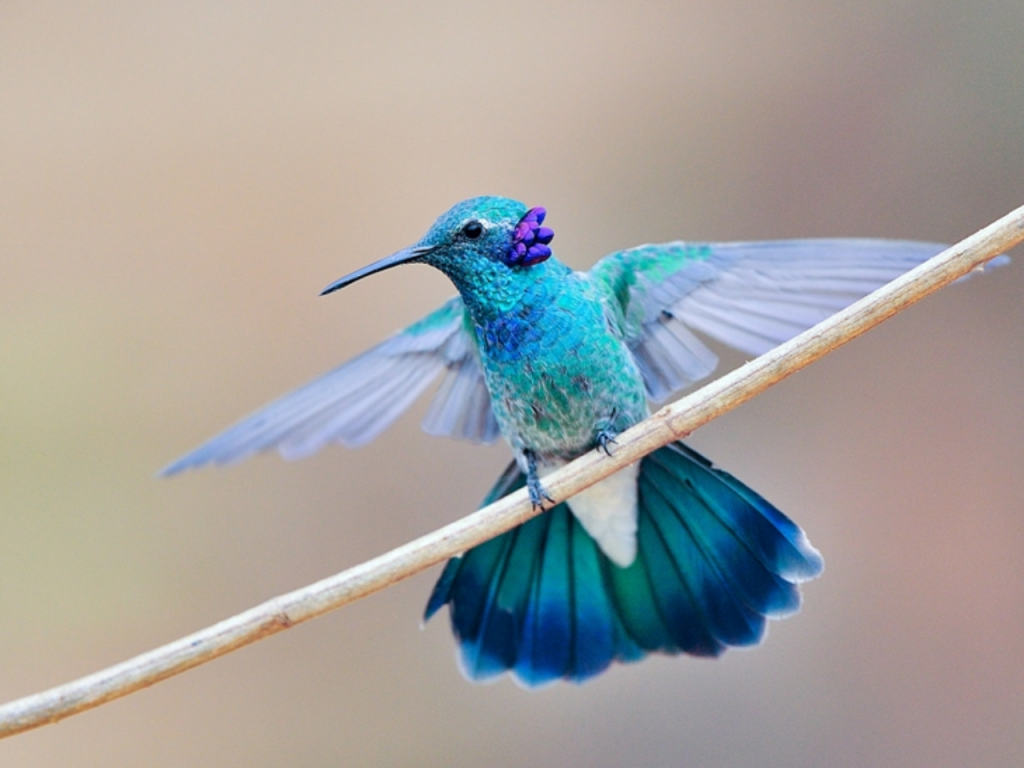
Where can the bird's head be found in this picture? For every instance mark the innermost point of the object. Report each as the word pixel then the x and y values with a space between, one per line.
pixel 476 240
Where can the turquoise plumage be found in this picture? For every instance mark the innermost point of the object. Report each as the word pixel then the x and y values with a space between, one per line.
pixel 671 555
pixel 714 561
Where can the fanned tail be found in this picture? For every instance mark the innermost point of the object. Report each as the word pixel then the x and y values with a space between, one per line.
pixel 714 562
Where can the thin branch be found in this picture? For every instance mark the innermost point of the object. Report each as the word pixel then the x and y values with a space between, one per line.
pixel 670 423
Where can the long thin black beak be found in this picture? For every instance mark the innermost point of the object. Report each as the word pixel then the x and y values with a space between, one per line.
pixel 404 256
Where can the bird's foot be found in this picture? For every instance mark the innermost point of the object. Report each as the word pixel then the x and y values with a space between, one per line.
pixel 537 494
pixel 605 441
pixel 606 435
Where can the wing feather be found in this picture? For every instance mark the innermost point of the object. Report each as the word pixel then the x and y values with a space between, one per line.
pixel 357 401
pixel 751 296
pixel 462 406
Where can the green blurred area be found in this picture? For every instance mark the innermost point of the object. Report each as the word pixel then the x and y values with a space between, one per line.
pixel 179 180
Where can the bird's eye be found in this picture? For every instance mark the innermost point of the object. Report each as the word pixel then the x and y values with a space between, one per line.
pixel 473 230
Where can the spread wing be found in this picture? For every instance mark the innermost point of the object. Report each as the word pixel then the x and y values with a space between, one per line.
pixel 357 401
pixel 751 296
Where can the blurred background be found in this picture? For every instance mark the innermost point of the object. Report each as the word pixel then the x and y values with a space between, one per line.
pixel 179 179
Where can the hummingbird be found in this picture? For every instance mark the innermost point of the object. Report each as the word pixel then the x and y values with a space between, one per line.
pixel 669 555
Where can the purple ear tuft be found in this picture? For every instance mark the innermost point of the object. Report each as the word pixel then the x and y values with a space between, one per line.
pixel 536 254
pixel 530 240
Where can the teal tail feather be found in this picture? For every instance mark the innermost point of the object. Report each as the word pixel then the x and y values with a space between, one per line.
pixel 714 562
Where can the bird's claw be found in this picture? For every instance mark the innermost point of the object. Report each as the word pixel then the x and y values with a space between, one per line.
pixel 605 441
pixel 537 494
pixel 606 435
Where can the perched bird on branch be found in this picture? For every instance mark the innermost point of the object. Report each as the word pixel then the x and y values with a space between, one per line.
pixel 669 555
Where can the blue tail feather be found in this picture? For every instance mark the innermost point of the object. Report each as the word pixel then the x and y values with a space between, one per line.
pixel 635 595
pixel 547 625
pixel 721 612
pixel 716 526
pixel 771 536
pixel 714 561
pixel 594 635
pixel 473 600
pixel 675 598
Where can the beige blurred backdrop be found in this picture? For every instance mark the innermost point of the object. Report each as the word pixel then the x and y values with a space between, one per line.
pixel 179 179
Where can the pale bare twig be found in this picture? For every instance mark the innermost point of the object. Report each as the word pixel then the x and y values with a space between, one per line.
pixel 670 423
